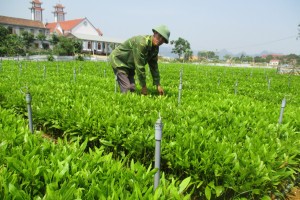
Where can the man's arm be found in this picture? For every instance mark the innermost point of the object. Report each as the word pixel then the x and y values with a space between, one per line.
pixel 140 59
pixel 153 65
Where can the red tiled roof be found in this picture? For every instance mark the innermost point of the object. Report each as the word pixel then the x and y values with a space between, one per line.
pixel 68 25
pixel 273 55
pixel 65 25
pixel 21 22
pixel 51 26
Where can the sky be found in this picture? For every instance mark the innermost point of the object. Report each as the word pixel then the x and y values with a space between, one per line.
pixel 248 26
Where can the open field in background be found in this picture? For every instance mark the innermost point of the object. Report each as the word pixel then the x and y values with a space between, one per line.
pixel 222 140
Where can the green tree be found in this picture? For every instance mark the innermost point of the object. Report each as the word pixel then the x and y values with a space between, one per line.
pixel 208 55
pixel 41 37
pixel 268 58
pixel 3 33
pixel 28 39
pixel 259 59
pixel 211 55
pixel 242 57
pixel 54 39
pixel 201 55
pixel 188 54
pixel 3 37
pixel 248 59
pixel 227 57
pixel 67 46
pixel 77 46
pixel 182 47
pixel 10 44
pixel 292 59
pixel 14 45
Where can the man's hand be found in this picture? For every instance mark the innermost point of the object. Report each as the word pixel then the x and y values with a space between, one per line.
pixel 144 90
pixel 160 90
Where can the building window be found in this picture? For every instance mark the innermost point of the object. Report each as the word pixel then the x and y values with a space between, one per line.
pixel 38 15
pixel 32 31
pixel 60 18
pixel 89 45
pixel 45 45
pixel 99 46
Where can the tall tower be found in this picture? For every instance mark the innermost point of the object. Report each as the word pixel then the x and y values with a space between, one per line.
pixel 36 10
pixel 59 14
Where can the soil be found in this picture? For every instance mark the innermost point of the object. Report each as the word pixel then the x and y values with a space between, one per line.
pixel 294 194
pixel 49 137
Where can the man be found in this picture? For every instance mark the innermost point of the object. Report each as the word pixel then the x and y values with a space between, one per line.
pixel 134 54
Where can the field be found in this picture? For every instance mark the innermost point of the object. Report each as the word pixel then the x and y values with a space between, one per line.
pixel 223 137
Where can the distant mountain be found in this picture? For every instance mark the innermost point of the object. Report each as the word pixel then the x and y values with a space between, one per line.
pixel 224 52
pixel 166 52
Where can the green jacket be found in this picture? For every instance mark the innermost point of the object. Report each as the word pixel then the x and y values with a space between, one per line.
pixel 133 55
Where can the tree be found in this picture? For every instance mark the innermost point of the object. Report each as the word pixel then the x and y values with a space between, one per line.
pixel 67 46
pixel 248 59
pixel 268 58
pixel 41 37
pixel 54 39
pixel 211 55
pixel 77 46
pixel 3 37
pixel 28 39
pixel 259 59
pixel 3 33
pixel 227 57
pixel 207 55
pixel 14 45
pixel 10 44
pixel 242 57
pixel 202 54
pixel 182 47
pixel 188 54
pixel 292 59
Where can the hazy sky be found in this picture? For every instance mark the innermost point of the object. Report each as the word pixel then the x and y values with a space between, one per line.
pixel 249 26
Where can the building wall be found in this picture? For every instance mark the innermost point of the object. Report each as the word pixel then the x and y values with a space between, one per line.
pixel 274 62
pixel 85 28
pixel 95 47
pixel 19 29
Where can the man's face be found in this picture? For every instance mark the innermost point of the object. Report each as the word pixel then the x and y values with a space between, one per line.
pixel 157 39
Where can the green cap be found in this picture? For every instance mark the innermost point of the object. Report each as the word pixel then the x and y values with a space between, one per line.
pixel 163 31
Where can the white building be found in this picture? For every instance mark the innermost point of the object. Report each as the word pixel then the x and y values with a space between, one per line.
pixel 274 62
pixel 18 25
pixel 82 29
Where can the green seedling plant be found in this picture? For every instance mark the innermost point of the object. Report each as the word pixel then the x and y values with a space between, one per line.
pixel 217 144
